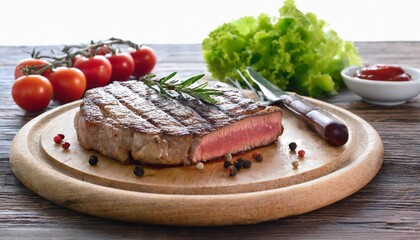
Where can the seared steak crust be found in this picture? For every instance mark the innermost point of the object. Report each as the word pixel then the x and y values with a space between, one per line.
pixel 127 120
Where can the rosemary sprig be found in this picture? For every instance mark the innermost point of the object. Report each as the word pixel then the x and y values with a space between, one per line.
pixel 164 84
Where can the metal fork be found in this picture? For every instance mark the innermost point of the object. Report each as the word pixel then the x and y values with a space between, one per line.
pixel 236 83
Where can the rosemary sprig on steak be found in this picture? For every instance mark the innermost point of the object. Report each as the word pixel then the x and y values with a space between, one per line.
pixel 164 84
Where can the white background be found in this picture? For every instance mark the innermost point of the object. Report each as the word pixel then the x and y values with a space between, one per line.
pixel 43 22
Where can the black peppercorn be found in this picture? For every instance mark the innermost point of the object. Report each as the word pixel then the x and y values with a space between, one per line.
pixel 292 146
pixel 246 164
pixel 226 164
pixel 257 156
pixel 93 160
pixel 238 163
pixel 139 171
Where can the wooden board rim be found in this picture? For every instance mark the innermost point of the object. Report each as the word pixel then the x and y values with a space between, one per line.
pixel 197 210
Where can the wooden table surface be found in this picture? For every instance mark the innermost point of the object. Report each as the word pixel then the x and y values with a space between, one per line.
pixel 388 207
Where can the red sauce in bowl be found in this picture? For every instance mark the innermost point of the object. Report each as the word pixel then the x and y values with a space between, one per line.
pixel 383 72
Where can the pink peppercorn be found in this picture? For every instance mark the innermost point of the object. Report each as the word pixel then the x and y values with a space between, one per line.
pixel 65 145
pixel 57 139
pixel 301 153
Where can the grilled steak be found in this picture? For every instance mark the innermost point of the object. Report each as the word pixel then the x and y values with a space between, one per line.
pixel 128 120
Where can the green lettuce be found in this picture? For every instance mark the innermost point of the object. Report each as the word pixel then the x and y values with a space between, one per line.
pixel 295 51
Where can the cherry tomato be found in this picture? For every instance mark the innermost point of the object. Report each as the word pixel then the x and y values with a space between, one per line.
pixel 97 70
pixel 144 61
pixel 104 50
pixel 74 59
pixel 32 92
pixel 31 62
pixel 122 66
pixel 69 84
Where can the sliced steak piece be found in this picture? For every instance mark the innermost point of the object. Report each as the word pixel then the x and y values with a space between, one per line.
pixel 128 120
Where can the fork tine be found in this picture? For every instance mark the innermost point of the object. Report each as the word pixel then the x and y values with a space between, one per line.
pixel 234 82
pixel 248 84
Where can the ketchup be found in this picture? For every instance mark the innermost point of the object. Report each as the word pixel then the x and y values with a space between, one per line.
pixel 383 72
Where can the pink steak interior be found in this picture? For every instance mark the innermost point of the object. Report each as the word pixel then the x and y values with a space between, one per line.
pixel 240 136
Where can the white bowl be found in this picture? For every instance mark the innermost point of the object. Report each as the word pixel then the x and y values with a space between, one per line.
pixel 386 93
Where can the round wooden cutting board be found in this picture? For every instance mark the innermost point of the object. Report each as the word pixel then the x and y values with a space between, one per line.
pixel 187 196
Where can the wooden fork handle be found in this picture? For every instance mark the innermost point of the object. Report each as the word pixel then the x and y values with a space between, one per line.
pixel 327 125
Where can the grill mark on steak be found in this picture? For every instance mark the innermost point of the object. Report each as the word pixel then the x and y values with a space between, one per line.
pixel 211 113
pixel 199 117
pixel 230 107
pixel 148 111
pixel 187 116
pixel 91 112
pixel 116 114
pixel 233 103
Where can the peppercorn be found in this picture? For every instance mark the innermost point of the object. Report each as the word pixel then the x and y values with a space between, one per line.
pixel 93 160
pixel 200 166
pixel 57 139
pixel 238 163
pixel 246 163
pixel 257 156
pixel 61 136
pixel 226 164
pixel 139 171
pixel 232 171
pixel 65 145
pixel 228 157
pixel 301 153
pixel 295 164
pixel 292 146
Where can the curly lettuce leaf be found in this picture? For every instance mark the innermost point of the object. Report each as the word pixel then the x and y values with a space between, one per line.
pixel 295 51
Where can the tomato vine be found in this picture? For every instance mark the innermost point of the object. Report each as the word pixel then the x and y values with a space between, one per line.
pixel 67 54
